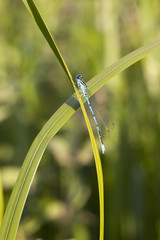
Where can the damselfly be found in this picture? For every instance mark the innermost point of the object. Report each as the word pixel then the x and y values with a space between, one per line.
pixel 82 86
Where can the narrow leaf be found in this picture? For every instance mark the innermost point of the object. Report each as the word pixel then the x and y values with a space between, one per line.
pixel 103 77
pixel 42 26
pixel 33 10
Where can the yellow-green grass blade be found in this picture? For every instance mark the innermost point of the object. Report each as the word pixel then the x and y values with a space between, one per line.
pixel 18 197
pixel 99 171
pixel 33 10
pixel 42 26
pixel 28 170
pixel 103 77
pixel 1 200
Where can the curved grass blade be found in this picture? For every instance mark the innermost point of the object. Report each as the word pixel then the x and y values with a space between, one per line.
pixel 33 10
pixel 28 170
pixel 20 191
pixel 123 63
pixel 99 173
pixel 18 197
pixel 45 31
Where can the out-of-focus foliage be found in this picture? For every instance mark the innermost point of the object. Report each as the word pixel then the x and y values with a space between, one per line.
pixel 63 201
pixel 1 201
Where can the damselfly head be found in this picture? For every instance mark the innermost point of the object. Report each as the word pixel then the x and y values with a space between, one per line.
pixel 79 81
pixel 79 77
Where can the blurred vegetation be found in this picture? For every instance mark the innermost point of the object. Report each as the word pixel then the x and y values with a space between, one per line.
pixel 63 201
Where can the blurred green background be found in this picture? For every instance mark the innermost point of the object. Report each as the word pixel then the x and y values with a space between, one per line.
pixel 63 200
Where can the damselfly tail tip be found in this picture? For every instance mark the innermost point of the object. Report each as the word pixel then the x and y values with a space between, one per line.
pixel 103 149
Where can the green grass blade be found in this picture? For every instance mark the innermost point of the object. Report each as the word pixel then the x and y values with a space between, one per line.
pixel 103 77
pixel 33 10
pixel 99 171
pixel 18 197
pixel 29 167
pixel 42 26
